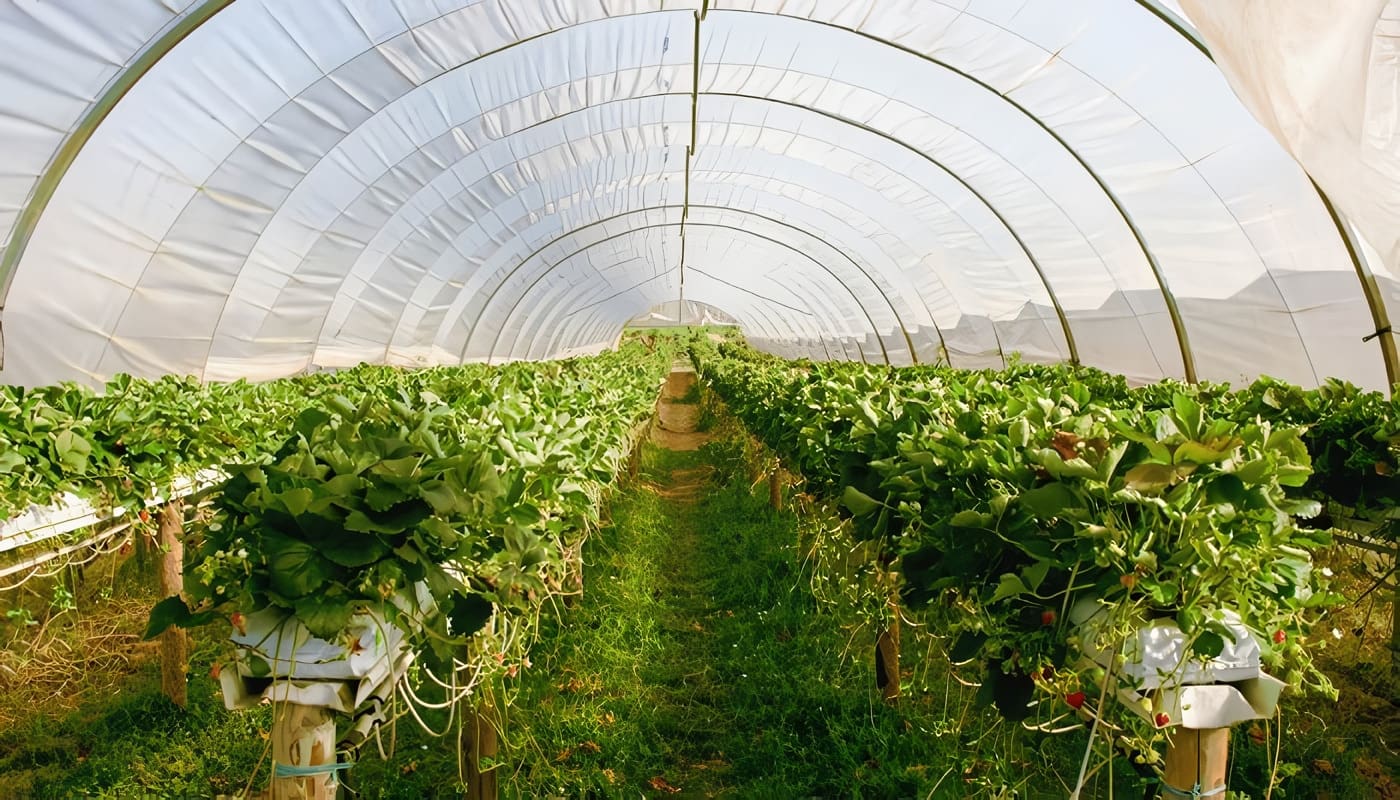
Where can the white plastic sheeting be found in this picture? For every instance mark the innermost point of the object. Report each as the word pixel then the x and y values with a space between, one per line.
pixel 300 183
pixel 1324 77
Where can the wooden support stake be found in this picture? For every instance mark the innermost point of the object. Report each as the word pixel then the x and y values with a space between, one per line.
pixel 479 743
pixel 887 656
pixel 1197 758
pixel 573 580
pixel 775 490
pixel 304 736
pixel 174 647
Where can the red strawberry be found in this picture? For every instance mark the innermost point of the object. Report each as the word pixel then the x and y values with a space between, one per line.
pixel 1075 699
pixel 144 515
pixel 1279 637
pixel 1129 580
pixel 215 670
pixel 1047 617
pixel 1162 720
pixel 239 622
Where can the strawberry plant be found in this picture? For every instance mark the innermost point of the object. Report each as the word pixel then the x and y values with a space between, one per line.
pixel 428 512
pixel 1006 497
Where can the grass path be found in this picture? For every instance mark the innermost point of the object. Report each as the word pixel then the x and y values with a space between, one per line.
pixel 697 664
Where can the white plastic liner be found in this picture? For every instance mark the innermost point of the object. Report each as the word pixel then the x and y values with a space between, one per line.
pixel 315 183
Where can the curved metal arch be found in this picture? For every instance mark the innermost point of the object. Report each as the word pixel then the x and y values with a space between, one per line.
pixel 1375 300
pixel 38 201
pixel 511 273
pixel 866 274
pixel 810 313
pixel 553 299
pixel 981 198
pixel 790 328
pixel 528 289
pixel 598 317
pixel 772 324
pixel 1035 263
pixel 202 13
pixel 72 145
pixel 594 318
pixel 1065 327
pixel 731 209
pixel 1069 337
pixel 1178 324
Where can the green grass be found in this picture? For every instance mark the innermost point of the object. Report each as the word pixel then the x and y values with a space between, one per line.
pixel 700 659
pixel 135 744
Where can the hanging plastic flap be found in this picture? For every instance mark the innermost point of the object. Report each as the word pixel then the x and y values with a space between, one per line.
pixel 290 650
pixel 1204 707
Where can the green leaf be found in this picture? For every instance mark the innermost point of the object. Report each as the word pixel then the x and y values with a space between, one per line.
pixel 1019 431
pixel 1226 488
pixel 295 569
pixel 1048 501
pixel 296 501
pixel 354 551
pixel 398 519
pixel 309 421
pixel 168 612
pixel 859 503
pixel 970 519
pixel 1163 595
pixel 441 497
pixel 384 496
pixel 1253 472
pixel 966 646
pixel 326 617
pixel 1208 644
pixel 400 468
pixel 1187 415
pixel 467 613
pixel 1035 574
pixel 73 450
pixel 10 461
pixel 1150 478
pixel 1058 467
pixel 1011 585
pixel 1198 453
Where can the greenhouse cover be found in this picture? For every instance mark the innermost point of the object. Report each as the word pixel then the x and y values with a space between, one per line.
pixel 255 188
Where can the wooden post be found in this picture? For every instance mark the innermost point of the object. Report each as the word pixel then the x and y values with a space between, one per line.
pixel 887 656
pixel 174 647
pixel 775 490
pixel 479 743
pixel 304 736
pixel 1196 758
pixel 573 569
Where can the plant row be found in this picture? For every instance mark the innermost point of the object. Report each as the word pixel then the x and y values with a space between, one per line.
pixel 1008 502
pixel 431 498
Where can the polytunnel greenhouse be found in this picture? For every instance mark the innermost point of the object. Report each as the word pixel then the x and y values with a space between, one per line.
pixel 751 398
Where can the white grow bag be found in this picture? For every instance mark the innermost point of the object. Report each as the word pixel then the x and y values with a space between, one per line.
pixel 1195 693
pixel 310 671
